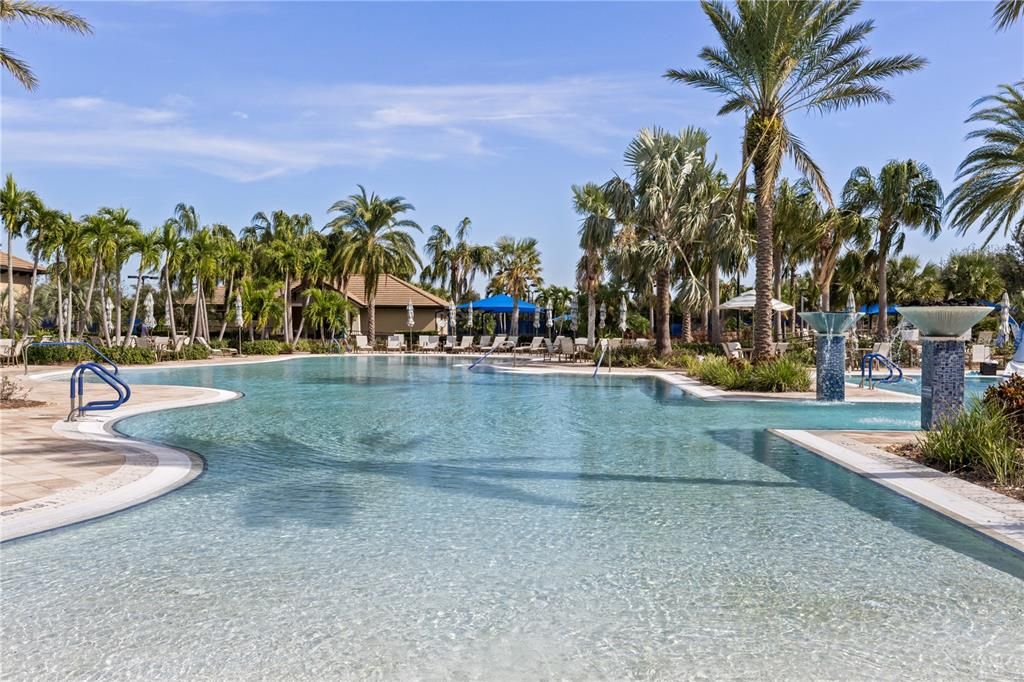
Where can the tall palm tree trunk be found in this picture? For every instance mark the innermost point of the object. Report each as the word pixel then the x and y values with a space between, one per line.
pixel 302 319
pixel 883 284
pixel 513 329
pixel 10 282
pixel 229 293
pixel 169 299
pixel 763 274
pixel 591 317
pixel 715 286
pixel 663 340
pixel 371 321
pixel 87 310
pixel 195 309
pixel 31 292
pixel 71 302
pixel 777 287
pixel 135 308
pixel 60 308
pixel 687 325
pixel 795 303
pixel 117 307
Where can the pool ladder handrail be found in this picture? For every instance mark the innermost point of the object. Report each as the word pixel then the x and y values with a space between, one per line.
pixel 867 365
pixel 484 356
pixel 91 347
pixel 604 349
pixel 124 391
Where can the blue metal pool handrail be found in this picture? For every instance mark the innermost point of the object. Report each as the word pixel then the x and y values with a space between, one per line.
pixel 124 391
pixel 867 365
pixel 93 348
pixel 604 349
pixel 484 357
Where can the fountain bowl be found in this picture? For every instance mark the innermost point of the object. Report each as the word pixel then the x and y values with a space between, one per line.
pixel 943 321
pixel 831 324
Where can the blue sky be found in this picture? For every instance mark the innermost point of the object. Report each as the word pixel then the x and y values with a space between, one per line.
pixel 490 110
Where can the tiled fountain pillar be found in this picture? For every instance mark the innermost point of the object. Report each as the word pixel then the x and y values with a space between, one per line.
pixel 830 352
pixel 942 380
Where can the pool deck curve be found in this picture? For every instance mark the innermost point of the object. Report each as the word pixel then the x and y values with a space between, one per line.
pixel 55 473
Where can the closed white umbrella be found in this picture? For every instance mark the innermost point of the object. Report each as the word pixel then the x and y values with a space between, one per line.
pixel 603 314
pixel 410 320
pixel 575 312
pixel 239 320
pixel 1004 319
pixel 469 318
pixel 851 303
pixel 149 320
pixel 452 326
pixel 110 314
pixel 537 310
pixel 623 316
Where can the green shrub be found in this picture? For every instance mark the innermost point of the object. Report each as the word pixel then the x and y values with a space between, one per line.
pixel 779 375
pixel 193 351
pixel 1008 397
pixel 263 347
pixel 222 343
pixel 719 371
pixel 773 376
pixel 980 438
pixel 56 355
pixel 697 348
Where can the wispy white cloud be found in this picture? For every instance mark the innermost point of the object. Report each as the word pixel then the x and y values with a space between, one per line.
pixel 301 129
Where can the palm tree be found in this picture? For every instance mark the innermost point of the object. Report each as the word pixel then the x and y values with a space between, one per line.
pixel 991 189
pixel 123 230
pixel 16 207
pixel 517 270
pixel 235 263
pixel 669 208
pixel 910 281
pixel 835 230
pixel 453 263
pixel 170 243
pixel 145 245
pixel 375 242
pixel 904 195
pixel 973 274
pixel 778 58
pixel 46 228
pixel 282 236
pixel 201 256
pixel 597 232
pixel 28 12
pixel 797 213
pixel 1007 13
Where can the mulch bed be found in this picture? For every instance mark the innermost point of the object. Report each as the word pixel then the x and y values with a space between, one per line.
pixel 15 404
pixel 912 451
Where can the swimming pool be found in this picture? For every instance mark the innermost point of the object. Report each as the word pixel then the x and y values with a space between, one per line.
pixel 403 518
pixel 974 385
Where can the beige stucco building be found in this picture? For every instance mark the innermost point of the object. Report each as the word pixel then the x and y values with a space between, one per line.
pixel 22 270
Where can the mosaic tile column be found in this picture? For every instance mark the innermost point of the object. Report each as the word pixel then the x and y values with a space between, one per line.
pixel 942 380
pixel 830 357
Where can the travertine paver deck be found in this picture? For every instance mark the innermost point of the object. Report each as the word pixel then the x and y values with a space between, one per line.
pixel 36 462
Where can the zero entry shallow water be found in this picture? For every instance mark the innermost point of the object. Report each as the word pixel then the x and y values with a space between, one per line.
pixel 402 518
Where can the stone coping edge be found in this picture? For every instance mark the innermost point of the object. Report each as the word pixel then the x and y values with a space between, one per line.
pixel 168 467
pixel 911 480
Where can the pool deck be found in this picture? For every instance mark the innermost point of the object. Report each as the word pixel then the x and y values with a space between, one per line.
pixel 54 473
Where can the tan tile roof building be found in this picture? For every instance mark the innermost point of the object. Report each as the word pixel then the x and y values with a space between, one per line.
pixel 18 264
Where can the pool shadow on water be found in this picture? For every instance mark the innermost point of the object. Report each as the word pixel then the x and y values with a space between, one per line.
pixel 809 470
pixel 281 478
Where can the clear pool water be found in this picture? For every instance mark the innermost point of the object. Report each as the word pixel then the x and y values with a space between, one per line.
pixel 404 519
pixel 974 385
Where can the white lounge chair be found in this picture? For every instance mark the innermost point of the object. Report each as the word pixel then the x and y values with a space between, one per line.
pixel 362 344
pixel 215 351
pixel 510 343
pixel 498 342
pixel 567 348
pixel 395 343
pixel 985 338
pixel 980 354
pixel 465 344
pixel 432 343
pixel 536 346
pixel 642 343
pixel 485 343
pixel 732 350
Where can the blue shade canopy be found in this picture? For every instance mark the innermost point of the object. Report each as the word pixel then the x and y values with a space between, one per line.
pixel 873 309
pixel 499 303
